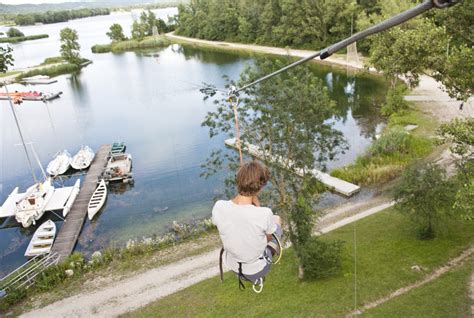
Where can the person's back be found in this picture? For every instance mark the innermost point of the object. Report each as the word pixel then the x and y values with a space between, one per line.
pixel 245 228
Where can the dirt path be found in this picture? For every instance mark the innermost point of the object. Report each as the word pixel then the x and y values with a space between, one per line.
pixel 436 274
pixel 132 293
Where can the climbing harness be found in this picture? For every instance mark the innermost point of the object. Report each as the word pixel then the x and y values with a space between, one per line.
pixel 257 285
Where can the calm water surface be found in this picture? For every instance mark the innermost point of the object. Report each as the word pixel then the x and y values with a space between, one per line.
pixel 152 102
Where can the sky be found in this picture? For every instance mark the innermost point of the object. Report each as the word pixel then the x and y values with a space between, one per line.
pixel 34 1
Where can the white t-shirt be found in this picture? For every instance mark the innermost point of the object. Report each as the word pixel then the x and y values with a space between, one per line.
pixel 243 230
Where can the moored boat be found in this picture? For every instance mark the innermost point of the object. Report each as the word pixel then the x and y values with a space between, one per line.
pixel 32 205
pixel 119 168
pixel 83 158
pixel 97 200
pixel 42 240
pixel 59 164
pixel 118 147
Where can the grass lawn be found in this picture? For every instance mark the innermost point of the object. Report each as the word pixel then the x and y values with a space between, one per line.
pixel 386 249
pixel 9 73
pixel 448 296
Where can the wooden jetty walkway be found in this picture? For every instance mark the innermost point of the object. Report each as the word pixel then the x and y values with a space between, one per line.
pixel 71 228
pixel 340 186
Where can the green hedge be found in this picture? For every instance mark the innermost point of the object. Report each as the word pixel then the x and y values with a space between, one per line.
pixel 23 38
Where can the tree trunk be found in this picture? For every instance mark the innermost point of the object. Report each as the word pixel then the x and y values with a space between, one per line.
pixel 300 272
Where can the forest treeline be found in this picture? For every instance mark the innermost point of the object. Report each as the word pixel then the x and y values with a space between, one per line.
pixel 57 16
pixel 294 23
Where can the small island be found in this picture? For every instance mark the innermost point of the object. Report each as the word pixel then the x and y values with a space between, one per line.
pixel 14 35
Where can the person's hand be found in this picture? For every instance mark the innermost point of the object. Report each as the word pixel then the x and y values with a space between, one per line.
pixel 255 201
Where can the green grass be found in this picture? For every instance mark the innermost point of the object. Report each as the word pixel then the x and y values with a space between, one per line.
pixel 130 45
pixel 52 60
pixel 9 73
pixel 23 38
pixel 381 168
pixel 448 296
pixel 386 249
pixel 52 70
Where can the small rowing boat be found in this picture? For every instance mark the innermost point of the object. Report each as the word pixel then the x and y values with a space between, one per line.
pixel 42 240
pixel 97 200
pixel 118 147
pixel 83 158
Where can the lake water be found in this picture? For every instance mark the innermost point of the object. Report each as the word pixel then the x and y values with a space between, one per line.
pixel 151 102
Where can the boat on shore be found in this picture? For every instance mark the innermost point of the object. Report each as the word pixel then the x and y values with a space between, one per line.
pixel 42 240
pixel 60 164
pixel 39 79
pixel 32 205
pixel 83 158
pixel 97 200
pixel 30 96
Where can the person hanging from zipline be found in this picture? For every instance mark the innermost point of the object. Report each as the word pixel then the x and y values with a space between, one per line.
pixel 250 233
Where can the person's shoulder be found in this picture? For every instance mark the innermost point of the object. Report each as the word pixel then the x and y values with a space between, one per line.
pixel 265 210
pixel 220 203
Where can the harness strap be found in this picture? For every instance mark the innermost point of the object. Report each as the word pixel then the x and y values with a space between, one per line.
pixel 220 265
pixel 241 276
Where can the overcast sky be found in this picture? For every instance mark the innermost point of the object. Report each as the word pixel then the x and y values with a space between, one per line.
pixel 34 1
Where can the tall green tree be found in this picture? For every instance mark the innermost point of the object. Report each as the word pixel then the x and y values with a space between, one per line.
pixel 116 33
pixel 6 58
pixel 286 118
pixel 459 133
pixel 424 195
pixel 70 46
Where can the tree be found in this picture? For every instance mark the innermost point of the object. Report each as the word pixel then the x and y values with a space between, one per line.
pixel 456 72
pixel 6 58
pixel 116 33
pixel 70 46
pixel 424 195
pixel 139 31
pixel 14 32
pixel 459 133
pixel 287 118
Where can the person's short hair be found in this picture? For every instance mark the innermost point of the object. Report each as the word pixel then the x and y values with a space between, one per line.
pixel 251 178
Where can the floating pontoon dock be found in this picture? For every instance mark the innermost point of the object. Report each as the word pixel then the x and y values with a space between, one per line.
pixel 71 228
pixel 338 185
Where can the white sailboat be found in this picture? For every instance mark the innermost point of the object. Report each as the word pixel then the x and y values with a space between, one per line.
pixel 59 164
pixel 32 205
pixel 42 240
pixel 83 158
pixel 97 200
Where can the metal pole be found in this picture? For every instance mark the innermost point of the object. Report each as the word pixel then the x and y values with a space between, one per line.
pixel 21 135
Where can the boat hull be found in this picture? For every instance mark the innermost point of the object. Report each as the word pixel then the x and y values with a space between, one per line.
pixel 42 240
pixel 97 200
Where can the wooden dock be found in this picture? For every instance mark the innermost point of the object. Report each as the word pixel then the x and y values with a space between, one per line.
pixel 71 228
pixel 340 186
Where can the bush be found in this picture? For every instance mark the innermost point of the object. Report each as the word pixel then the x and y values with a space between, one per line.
pixel 320 259
pixel 101 48
pixel 52 60
pixel 129 45
pixel 395 102
pixel 14 32
pixel 425 196
pixel 395 140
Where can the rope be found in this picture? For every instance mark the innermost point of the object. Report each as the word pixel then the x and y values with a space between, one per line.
pixel 233 97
